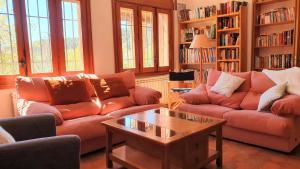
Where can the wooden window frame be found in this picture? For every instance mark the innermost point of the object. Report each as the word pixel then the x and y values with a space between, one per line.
pixel 57 42
pixel 116 4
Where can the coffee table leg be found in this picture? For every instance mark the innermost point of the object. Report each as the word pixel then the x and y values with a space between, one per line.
pixel 166 159
pixel 219 147
pixel 109 163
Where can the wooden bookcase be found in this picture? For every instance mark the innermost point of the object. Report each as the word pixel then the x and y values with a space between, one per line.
pixel 201 67
pixel 241 30
pixel 264 52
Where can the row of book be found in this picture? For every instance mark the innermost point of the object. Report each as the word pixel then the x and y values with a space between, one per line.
pixel 274 61
pixel 229 66
pixel 189 33
pixel 228 39
pixel 276 16
pixel 225 23
pixel 201 12
pixel 275 39
pixel 207 55
pixel 231 6
pixel 229 54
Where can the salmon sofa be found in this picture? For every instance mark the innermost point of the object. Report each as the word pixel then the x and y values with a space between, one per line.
pixel 278 128
pixel 83 119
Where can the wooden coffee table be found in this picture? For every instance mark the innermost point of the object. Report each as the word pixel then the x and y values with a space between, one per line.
pixel 163 139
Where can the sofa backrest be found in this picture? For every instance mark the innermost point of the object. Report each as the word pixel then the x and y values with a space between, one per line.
pixel 259 84
pixel 34 88
pixel 237 97
pixel 127 76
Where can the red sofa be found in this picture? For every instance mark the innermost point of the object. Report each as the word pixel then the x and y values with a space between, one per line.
pixel 277 129
pixel 83 119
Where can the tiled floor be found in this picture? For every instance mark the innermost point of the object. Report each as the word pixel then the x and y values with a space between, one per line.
pixel 236 156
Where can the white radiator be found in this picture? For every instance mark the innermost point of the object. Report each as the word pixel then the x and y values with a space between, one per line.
pixel 159 83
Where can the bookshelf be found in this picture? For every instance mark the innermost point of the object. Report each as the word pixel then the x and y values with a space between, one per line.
pixel 205 60
pixel 232 41
pixel 275 38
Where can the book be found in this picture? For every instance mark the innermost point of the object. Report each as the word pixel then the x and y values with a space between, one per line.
pixel 229 54
pixel 229 66
pixel 197 13
pixel 231 7
pixel 229 22
pixel 187 55
pixel 272 61
pixel 275 39
pixel 276 16
pixel 228 39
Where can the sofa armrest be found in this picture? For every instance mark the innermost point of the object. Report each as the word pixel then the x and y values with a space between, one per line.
pixel 30 127
pixel 196 96
pixel 61 152
pixel 146 96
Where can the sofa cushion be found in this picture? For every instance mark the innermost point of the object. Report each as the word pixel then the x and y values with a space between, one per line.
pixel 33 89
pixel 133 110
pixel 33 108
pixel 271 95
pixel 196 96
pixel 73 111
pixel 127 76
pixel 67 91
pixel 205 109
pixel 110 87
pixel 236 98
pixel 259 84
pixel 146 96
pixel 227 84
pixel 86 128
pixel 250 101
pixel 89 85
pixel 262 122
pixel 289 104
pixel 114 104
pixel 5 137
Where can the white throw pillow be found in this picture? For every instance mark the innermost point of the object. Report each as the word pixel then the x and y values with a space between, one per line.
pixel 291 76
pixel 5 137
pixel 271 95
pixel 227 84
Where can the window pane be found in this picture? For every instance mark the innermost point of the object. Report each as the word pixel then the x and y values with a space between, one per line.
pixel 163 33
pixel 8 43
pixel 38 26
pixel 147 34
pixel 72 35
pixel 127 33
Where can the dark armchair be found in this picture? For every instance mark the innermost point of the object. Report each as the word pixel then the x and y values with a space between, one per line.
pixel 37 146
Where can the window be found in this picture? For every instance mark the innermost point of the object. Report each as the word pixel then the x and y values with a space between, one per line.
pixel 44 38
pixel 142 35
pixel 72 35
pixel 127 35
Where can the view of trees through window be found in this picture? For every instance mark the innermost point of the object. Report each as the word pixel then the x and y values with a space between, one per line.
pixel 72 35
pixel 8 43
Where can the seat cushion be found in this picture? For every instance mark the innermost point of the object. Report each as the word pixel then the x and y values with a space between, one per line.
pixel 259 84
pixel 73 111
pixel 262 122
pixel 236 98
pixel 205 109
pixel 114 104
pixel 133 110
pixel 86 127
